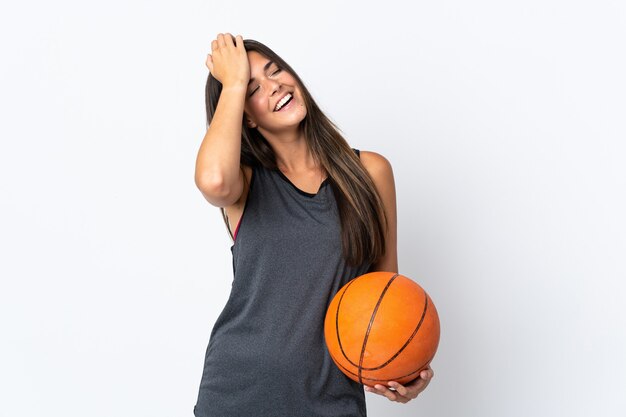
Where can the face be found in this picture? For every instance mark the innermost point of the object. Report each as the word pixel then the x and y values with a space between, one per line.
pixel 268 89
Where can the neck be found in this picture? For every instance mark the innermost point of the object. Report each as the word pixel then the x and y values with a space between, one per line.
pixel 292 152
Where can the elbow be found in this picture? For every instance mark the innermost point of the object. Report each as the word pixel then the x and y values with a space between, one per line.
pixel 213 190
pixel 209 184
pixel 216 191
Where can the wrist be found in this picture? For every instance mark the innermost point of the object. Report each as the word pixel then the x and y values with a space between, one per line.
pixel 240 87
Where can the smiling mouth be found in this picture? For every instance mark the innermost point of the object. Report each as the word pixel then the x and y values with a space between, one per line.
pixel 285 104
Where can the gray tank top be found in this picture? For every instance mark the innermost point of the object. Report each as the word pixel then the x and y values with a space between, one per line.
pixel 266 355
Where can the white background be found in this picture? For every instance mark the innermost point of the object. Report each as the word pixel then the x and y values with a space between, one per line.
pixel 504 123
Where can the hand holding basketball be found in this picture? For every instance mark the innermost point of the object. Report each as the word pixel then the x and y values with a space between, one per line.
pixel 404 393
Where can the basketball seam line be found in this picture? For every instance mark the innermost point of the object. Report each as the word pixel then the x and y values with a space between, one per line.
pixel 369 327
pixel 337 319
pixel 388 379
pixel 419 325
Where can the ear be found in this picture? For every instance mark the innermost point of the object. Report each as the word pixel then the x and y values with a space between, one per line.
pixel 250 123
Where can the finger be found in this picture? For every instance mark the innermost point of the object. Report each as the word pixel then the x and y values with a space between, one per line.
pixel 227 37
pixel 209 62
pixel 221 40
pixel 400 389
pixel 386 392
pixel 413 389
pixel 214 45
pixel 373 390
pixel 398 398
pixel 239 41
pixel 419 385
pixel 427 373
pixel 403 394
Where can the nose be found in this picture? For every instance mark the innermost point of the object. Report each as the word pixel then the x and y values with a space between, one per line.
pixel 273 86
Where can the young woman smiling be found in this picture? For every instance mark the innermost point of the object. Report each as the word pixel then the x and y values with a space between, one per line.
pixel 307 213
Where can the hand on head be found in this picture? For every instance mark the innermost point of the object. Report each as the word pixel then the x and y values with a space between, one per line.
pixel 228 60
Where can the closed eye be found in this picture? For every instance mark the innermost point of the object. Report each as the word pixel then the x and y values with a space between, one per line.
pixel 274 73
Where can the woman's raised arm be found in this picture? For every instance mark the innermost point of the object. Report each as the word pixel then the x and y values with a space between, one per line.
pixel 218 173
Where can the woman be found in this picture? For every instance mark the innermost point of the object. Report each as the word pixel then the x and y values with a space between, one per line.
pixel 307 214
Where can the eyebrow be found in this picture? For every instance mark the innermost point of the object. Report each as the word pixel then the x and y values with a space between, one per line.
pixel 265 68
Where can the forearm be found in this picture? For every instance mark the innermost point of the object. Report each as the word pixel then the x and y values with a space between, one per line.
pixel 218 160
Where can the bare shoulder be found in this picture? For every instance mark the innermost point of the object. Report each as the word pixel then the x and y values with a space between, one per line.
pixel 380 170
pixel 377 165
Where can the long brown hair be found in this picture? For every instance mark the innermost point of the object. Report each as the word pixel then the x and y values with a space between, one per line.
pixel 361 211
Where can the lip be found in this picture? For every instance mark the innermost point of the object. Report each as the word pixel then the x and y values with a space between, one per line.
pixel 282 97
pixel 287 106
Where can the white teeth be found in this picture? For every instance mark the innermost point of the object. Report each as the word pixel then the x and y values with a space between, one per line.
pixel 282 102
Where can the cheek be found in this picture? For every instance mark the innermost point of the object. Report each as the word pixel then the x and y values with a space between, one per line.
pixel 256 103
pixel 251 107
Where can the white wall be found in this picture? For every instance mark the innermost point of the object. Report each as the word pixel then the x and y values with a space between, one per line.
pixel 504 122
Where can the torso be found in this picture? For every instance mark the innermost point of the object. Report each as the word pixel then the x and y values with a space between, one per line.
pixel 287 265
pixel 309 182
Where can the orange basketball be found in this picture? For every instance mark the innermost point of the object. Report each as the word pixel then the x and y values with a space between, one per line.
pixel 381 327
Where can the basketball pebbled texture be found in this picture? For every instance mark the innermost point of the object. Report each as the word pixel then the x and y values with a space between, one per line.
pixel 381 327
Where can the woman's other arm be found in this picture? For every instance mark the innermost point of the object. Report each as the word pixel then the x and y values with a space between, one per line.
pixel 381 172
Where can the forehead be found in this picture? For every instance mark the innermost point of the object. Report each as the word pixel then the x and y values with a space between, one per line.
pixel 257 61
